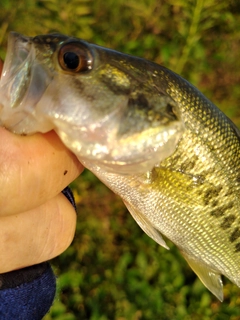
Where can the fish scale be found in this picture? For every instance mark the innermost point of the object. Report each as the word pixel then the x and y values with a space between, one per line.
pixel 148 134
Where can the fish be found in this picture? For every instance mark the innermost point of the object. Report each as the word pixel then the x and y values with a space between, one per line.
pixel 148 134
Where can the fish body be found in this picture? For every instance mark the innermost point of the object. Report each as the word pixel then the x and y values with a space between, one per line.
pixel 148 134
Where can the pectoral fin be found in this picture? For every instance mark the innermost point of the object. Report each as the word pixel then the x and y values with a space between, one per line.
pixel 146 226
pixel 208 276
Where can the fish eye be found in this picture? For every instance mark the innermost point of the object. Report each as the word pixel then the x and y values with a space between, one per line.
pixel 74 57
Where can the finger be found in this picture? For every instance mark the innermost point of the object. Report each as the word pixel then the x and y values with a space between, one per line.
pixel 38 235
pixel 33 169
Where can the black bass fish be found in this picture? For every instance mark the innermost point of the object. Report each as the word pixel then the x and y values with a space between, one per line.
pixel 148 134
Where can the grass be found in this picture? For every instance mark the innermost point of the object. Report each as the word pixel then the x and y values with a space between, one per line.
pixel 113 270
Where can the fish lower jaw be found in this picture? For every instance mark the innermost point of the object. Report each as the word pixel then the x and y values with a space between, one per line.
pixel 118 160
pixel 119 167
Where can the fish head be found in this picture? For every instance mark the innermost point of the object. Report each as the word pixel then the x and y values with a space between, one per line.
pixel 104 105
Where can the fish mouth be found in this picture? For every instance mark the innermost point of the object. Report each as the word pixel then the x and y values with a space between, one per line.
pixel 15 74
pixel 23 82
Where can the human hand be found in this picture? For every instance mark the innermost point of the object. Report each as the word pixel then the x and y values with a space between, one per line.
pixel 37 222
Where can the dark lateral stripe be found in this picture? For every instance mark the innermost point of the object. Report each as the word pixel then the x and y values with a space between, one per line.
pixel 227 222
pixel 237 247
pixel 235 235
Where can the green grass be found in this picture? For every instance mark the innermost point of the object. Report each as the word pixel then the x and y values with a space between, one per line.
pixel 113 270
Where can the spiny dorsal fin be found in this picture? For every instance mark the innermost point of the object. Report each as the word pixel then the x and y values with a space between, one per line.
pixel 208 276
pixel 146 226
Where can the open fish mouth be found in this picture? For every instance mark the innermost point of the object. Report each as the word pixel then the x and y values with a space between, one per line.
pixel 22 83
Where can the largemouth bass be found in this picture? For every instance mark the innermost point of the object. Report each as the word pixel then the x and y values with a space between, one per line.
pixel 148 134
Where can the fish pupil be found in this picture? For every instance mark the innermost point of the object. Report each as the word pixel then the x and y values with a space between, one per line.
pixel 71 60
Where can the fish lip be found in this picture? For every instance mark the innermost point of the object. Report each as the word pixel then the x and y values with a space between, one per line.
pixel 16 41
pixel 15 73
pixel 13 35
pixel 22 83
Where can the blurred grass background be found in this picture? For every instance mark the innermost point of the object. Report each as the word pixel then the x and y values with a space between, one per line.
pixel 113 270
